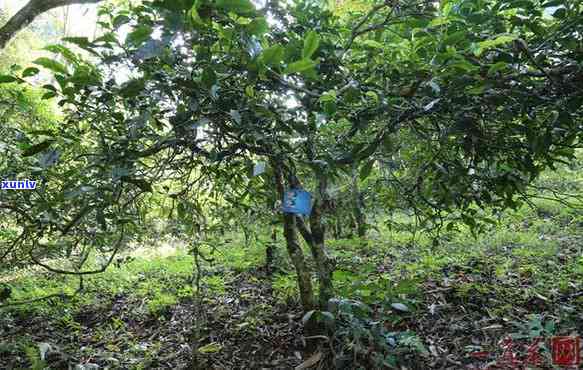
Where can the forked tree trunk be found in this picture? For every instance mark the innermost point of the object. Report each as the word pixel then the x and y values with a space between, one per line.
pixel 293 247
pixel 315 238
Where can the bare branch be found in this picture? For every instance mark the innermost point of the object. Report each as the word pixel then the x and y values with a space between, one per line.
pixel 66 272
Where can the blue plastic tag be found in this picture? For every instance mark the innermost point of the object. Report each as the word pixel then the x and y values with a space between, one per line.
pixel 297 201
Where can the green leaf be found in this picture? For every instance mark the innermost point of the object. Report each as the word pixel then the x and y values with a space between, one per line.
pixel 4 79
pixel 120 20
pixel 50 87
pixel 84 75
pixel 372 44
pixel 258 26
pixel 476 90
pixel 240 7
pixel 195 15
pixel 208 77
pixel 439 21
pixel 373 96
pixel 37 148
pixel 311 43
pixel 52 65
pixel 210 348
pixel 139 35
pixel 250 91
pixel 106 39
pixel 496 67
pixel 132 88
pixel 488 44
pixel 31 71
pixel 49 95
pixel 64 51
pixel 82 42
pixel 553 3
pixel 299 66
pixel 273 55
pixel 366 169
pixel 329 96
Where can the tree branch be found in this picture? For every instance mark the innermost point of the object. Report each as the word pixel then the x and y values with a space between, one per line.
pixel 79 273
pixel 29 12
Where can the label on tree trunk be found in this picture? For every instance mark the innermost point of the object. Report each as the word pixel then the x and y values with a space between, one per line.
pixel 259 168
pixel 297 201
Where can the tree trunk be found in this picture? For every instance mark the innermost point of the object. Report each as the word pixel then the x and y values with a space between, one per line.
pixel 269 252
pixel 29 12
pixel 351 225
pixel 293 248
pixel 337 228
pixel 246 234
pixel 320 253
pixel 315 238
pixel 358 205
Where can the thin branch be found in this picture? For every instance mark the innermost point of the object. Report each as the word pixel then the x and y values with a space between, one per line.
pixel 66 272
pixel 356 28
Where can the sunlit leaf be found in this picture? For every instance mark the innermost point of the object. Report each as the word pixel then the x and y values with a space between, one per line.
pixel 241 7
pixel 273 55
pixel 488 44
pixel 299 66
pixel 139 35
pixel 311 43
pixel 210 348
pixel 29 72
pixel 51 64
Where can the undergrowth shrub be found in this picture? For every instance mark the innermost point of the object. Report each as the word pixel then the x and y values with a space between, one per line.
pixel 361 338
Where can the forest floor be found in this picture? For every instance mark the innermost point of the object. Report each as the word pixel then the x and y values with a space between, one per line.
pixel 444 307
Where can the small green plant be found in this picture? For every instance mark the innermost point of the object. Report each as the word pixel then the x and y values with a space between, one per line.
pixel 33 357
pixel 161 303
pixel 360 338
pixel 69 323
pixel 285 286
pixel 185 292
pixel 216 284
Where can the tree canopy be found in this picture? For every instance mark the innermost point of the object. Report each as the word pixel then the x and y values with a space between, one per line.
pixel 462 104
